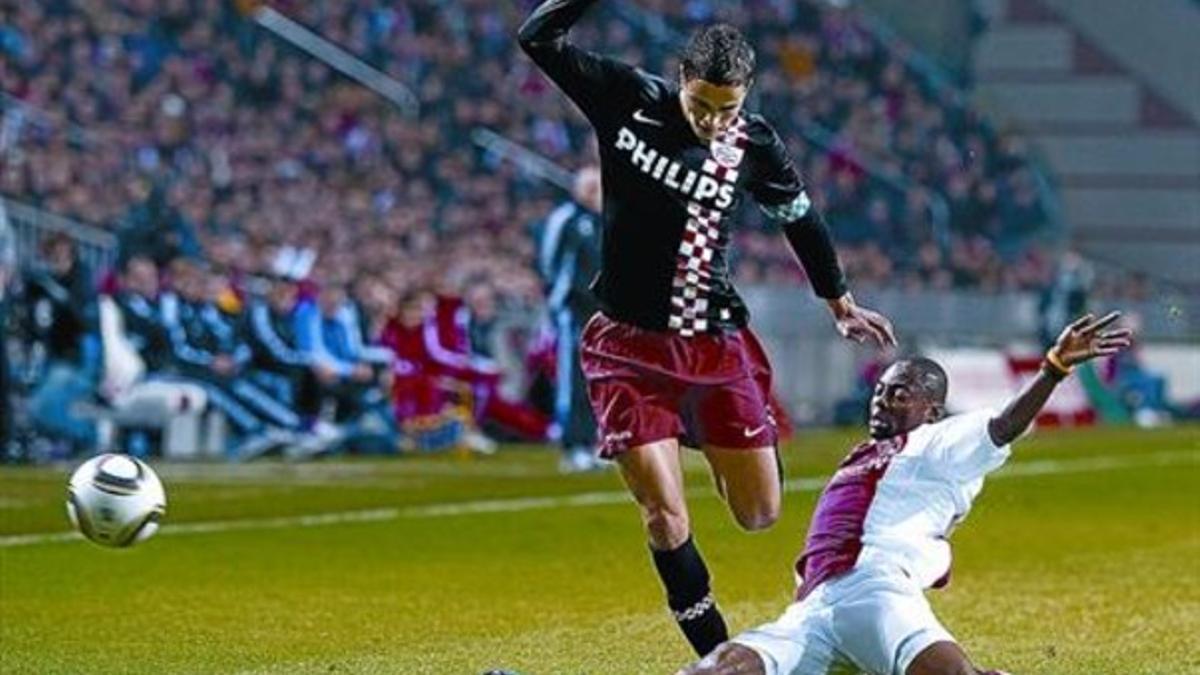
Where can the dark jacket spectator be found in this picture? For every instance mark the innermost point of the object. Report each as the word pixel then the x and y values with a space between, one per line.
pixel 60 302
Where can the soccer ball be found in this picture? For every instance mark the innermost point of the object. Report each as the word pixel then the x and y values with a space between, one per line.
pixel 115 500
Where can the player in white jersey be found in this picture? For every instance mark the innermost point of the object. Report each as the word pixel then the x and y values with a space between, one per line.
pixel 879 534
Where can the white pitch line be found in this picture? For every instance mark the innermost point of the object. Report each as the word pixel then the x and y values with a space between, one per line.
pixel 42 538
pixel 517 504
pixel 330 473
pixel 807 484
pixel 1042 467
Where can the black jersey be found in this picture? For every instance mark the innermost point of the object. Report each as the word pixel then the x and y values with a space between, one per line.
pixel 668 196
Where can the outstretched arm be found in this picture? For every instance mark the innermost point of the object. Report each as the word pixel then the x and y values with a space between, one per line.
pixel 581 74
pixel 550 22
pixel 1082 341
pixel 811 242
pixel 780 192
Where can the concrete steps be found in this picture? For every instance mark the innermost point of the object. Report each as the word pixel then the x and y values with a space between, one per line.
pixel 1025 47
pixel 1134 152
pixel 1126 161
pixel 1167 209
pixel 1088 100
pixel 1168 261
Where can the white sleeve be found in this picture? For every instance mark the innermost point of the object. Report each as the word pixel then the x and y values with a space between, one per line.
pixel 963 447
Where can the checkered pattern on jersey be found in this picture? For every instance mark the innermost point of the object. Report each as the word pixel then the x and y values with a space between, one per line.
pixel 690 307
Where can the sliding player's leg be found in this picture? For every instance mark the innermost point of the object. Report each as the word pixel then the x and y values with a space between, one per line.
pixel 945 658
pixel 728 659
pixel 883 622
pixel 797 642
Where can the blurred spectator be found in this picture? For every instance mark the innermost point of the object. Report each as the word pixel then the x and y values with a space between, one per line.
pixel 60 302
pixel 1065 297
pixel 61 315
pixel 209 346
pixel 138 301
pixel 569 259
pixel 328 331
pixel 449 354
pixel 1143 391
pixel 422 406
pixel 8 261
pixel 484 316
pixel 154 229
pixel 280 367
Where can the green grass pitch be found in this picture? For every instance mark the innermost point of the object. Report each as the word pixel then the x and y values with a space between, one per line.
pixel 1083 557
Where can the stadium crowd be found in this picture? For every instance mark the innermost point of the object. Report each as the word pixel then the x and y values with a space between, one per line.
pixel 252 188
pixel 193 120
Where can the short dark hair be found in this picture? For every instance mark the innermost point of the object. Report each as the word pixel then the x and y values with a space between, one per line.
pixel 56 240
pixel 719 54
pixel 930 377
pixel 137 258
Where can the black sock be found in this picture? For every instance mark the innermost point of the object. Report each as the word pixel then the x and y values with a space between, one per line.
pixel 685 577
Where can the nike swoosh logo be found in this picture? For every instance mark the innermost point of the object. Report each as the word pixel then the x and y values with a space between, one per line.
pixel 750 433
pixel 639 116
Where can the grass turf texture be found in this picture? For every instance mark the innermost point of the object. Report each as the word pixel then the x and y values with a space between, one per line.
pixel 1093 569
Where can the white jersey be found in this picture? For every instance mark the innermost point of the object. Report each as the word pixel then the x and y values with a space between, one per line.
pixel 893 502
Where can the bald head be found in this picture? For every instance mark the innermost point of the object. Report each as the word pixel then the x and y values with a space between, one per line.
pixel 928 377
pixel 587 189
pixel 911 392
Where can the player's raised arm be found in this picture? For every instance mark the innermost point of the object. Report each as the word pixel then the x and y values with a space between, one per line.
pixel 582 75
pixel 780 193
pixel 1081 341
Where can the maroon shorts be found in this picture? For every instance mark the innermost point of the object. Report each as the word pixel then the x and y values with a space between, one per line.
pixel 646 386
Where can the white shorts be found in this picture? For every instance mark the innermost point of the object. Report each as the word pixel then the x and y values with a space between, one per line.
pixel 870 620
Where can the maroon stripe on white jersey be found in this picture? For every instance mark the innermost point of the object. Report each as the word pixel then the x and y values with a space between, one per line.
pixel 834 538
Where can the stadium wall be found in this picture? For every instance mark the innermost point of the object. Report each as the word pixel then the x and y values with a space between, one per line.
pixel 1117 122
pixel 1124 29
pixel 814 369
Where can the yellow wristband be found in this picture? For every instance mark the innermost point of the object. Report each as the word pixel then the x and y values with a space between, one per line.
pixel 1056 363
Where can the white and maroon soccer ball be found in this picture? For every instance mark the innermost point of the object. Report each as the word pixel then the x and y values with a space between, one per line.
pixel 115 500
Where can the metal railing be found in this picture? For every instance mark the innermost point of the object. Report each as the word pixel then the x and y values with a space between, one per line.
pixel 32 226
pixel 527 160
pixel 814 368
pixel 17 114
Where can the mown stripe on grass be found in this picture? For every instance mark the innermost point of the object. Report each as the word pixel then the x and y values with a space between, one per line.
pixel 806 484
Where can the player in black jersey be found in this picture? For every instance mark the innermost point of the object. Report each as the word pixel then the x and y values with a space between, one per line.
pixel 669 358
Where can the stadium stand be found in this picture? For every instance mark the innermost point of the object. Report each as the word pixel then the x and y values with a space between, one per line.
pixel 197 122
pixel 191 134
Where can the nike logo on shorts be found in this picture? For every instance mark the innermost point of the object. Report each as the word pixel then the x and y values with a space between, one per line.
pixel 751 433
pixel 639 116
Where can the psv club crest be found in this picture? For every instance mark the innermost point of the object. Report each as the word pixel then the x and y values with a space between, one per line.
pixel 728 156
